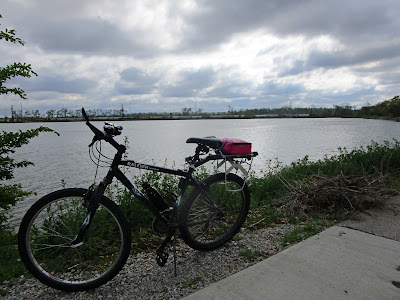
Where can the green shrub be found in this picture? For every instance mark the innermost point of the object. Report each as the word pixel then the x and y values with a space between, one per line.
pixel 373 159
pixel 10 194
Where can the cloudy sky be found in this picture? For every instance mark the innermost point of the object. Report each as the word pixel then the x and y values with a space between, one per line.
pixel 164 55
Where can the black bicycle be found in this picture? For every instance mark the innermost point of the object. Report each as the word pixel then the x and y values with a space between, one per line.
pixel 78 239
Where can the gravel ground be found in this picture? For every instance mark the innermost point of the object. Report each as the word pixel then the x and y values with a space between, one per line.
pixel 142 278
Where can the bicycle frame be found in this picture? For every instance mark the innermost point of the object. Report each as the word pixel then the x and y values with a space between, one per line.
pixel 115 172
pixel 186 178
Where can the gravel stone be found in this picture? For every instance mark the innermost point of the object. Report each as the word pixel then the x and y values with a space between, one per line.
pixel 142 278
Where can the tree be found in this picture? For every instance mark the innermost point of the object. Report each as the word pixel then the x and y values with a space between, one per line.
pixel 62 113
pixel 78 113
pixel 50 114
pixel 36 114
pixel 186 111
pixel 15 69
pixel 9 141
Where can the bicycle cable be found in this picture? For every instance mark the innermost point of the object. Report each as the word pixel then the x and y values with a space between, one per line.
pixel 97 165
pixel 95 154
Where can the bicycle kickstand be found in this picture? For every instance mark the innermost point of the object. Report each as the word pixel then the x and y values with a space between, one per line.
pixel 174 247
pixel 162 256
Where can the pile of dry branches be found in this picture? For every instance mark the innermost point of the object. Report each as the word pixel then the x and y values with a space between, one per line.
pixel 331 194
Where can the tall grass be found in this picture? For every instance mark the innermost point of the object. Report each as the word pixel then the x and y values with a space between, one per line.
pixel 375 158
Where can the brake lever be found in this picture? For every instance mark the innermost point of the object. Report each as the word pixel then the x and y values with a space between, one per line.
pixel 95 139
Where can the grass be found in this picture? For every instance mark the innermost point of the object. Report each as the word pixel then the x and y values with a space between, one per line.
pixel 338 186
pixel 191 282
pixel 263 216
pixel 278 180
pixel 271 193
pixel 237 237
pixel 251 255
pixel 305 230
pixel 10 262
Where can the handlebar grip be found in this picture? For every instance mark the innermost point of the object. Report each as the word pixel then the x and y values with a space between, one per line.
pixel 85 116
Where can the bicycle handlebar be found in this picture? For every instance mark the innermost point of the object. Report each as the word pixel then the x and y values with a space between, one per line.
pixel 99 135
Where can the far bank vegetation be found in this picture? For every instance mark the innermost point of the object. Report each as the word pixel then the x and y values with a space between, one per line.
pixel 388 109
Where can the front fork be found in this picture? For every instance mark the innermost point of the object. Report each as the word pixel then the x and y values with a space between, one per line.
pixel 92 199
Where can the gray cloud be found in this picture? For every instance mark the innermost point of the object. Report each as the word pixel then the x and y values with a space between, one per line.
pixel 350 21
pixel 190 85
pixel 347 58
pixel 391 78
pixel 135 82
pixel 231 88
pixel 218 21
pixel 331 60
pixel 59 28
pixel 56 83
pixel 85 36
pixel 271 88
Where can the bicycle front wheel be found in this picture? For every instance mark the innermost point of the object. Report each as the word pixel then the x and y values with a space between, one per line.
pixel 52 223
pixel 214 211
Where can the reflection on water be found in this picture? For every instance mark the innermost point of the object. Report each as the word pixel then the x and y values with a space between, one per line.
pixel 66 157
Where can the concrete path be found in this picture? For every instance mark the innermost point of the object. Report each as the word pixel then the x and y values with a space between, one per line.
pixel 384 222
pixel 338 263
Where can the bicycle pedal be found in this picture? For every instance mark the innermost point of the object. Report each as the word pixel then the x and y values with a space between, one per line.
pixel 162 258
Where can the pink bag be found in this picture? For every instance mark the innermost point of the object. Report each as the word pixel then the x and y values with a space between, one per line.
pixel 235 147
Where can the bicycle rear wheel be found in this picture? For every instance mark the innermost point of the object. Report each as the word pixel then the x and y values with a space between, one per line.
pixel 214 212
pixel 52 223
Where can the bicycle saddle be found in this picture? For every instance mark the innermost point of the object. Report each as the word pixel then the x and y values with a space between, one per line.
pixel 210 141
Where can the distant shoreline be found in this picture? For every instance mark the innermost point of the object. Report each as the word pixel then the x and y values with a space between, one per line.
pixel 175 118
pixel 154 118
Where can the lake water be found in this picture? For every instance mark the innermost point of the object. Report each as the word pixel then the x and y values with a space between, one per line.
pixel 66 157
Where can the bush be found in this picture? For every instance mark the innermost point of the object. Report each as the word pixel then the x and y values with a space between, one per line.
pixel 350 180
pixel 9 195
pixel 9 142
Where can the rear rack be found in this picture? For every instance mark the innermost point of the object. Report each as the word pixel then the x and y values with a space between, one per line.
pixel 236 162
pixel 232 159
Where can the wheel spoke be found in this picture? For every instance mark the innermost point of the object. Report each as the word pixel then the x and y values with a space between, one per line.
pixel 49 232
pixel 212 214
pixel 45 242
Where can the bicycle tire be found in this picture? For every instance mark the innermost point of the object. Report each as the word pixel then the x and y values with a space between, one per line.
pixel 49 226
pixel 202 226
